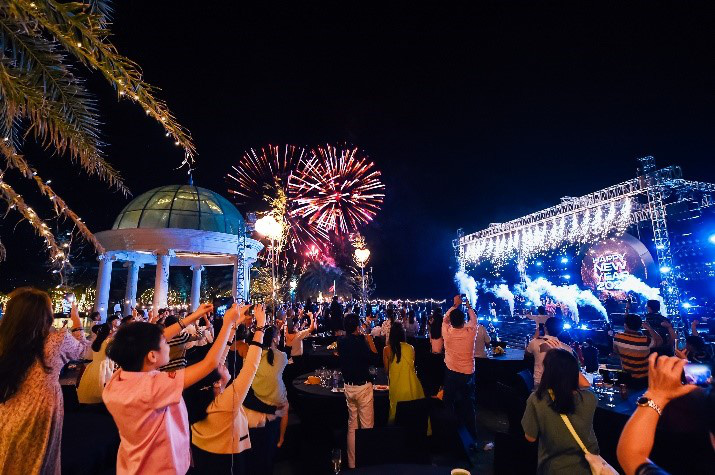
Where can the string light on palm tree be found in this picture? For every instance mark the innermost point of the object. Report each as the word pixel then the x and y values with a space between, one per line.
pixel 272 229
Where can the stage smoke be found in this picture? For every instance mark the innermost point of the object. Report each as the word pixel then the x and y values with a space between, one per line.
pixel 502 291
pixel 631 283
pixel 569 295
pixel 467 285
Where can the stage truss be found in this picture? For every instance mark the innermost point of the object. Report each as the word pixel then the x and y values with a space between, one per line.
pixel 588 218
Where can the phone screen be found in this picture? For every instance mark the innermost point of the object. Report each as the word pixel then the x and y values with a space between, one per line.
pixel 221 305
pixel 698 374
pixel 67 302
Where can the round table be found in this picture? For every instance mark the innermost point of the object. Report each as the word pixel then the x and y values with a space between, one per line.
pixel 318 404
pixel 401 469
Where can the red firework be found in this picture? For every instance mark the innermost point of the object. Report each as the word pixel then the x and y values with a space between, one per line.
pixel 335 189
pixel 261 174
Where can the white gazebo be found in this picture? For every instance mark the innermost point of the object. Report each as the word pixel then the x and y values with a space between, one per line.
pixel 176 225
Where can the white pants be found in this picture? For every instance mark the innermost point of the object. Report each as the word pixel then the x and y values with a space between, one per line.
pixel 359 399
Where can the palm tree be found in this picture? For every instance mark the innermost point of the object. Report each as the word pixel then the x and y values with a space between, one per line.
pixel 42 98
pixel 320 277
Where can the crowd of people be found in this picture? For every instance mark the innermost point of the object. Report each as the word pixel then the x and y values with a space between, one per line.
pixel 194 392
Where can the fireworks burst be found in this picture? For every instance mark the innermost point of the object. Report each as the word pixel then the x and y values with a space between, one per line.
pixel 336 189
pixel 260 173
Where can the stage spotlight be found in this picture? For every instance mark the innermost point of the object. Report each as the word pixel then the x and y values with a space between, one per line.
pixel 567 326
pixel 538 263
pixel 564 260
pixel 712 239
pixel 583 326
pixel 664 270
pixel 567 277
pixel 686 305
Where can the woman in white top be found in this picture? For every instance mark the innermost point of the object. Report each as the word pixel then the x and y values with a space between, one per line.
pixel 411 325
pixel 219 429
pixel 294 339
pixel 99 371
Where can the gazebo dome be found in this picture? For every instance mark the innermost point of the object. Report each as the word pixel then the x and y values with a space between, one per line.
pixel 181 207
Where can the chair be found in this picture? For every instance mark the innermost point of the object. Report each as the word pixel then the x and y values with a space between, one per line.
pixel 413 416
pixel 381 446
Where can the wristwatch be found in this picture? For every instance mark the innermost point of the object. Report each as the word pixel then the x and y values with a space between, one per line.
pixel 644 401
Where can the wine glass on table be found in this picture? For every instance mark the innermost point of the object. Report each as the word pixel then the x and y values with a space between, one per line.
pixel 337 461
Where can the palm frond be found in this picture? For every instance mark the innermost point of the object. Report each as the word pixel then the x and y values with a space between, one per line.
pixel 17 161
pixel 84 35
pixel 23 97
pixel 16 202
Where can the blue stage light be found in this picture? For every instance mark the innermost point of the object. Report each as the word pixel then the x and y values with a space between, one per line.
pixel 567 277
pixel 564 260
pixel 665 270
pixel 583 326
pixel 538 263
pixel 567 326
pixel 686 305
pixel 712 239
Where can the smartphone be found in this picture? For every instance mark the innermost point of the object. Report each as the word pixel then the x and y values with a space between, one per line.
pixel 699 374
pixel 221 304
pixel 67 301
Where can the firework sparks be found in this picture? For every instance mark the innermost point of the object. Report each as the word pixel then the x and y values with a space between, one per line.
pixel 260 173
pixel 336 189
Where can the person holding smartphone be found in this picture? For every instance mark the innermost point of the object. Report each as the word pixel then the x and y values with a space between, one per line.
pixel 459 336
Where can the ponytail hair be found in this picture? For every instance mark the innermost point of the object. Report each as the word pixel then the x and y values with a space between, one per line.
pixel 102 332
pixel 268 343
pixel 397 336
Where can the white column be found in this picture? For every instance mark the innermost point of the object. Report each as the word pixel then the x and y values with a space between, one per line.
pixel 104 278
pixel 161 281
pixel 196 286
pixel 130 294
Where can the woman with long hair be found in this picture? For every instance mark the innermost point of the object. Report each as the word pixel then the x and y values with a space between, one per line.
pixel 32 353
pixel 559 393
pixel 412 326
pixel 97 373
pixel 219 426
pixel 435 331
pixel 399 360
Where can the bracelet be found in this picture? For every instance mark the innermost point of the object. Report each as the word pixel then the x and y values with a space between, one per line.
pixel 255 343
pixel 181 323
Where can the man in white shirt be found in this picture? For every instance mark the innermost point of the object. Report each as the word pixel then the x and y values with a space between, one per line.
pixel 481 341
pixel 540 345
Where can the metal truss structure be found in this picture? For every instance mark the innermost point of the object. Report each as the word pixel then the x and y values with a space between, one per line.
pixel 648 192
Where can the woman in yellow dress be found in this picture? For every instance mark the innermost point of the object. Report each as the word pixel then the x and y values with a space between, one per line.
pixel 399 360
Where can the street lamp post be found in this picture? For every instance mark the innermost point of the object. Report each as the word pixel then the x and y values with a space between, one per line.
pixel 268 227
pixel 362 255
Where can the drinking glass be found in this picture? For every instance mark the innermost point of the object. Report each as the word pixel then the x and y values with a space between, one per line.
pixel 337 461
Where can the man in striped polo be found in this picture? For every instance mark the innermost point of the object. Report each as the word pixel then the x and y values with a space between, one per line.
pixel 634 348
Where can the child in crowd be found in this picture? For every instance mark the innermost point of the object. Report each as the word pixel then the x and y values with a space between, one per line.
pixel 147 404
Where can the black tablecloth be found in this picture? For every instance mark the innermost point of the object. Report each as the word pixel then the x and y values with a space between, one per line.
pixel 320 406
pixel 401 469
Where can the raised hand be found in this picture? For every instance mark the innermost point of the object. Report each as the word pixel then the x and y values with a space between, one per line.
pixel 260 313
pixel 664 383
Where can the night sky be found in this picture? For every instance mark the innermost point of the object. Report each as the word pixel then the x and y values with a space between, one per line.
pixel 474 116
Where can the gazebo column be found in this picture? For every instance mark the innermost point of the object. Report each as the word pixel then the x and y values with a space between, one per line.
pixel 196 286
pixel 161 281
pixel 104 278
pixel 130 294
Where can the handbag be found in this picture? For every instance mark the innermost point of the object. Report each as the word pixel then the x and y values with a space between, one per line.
pixel 597 464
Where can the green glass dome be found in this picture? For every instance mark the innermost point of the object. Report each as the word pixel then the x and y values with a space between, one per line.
pixel 182 207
